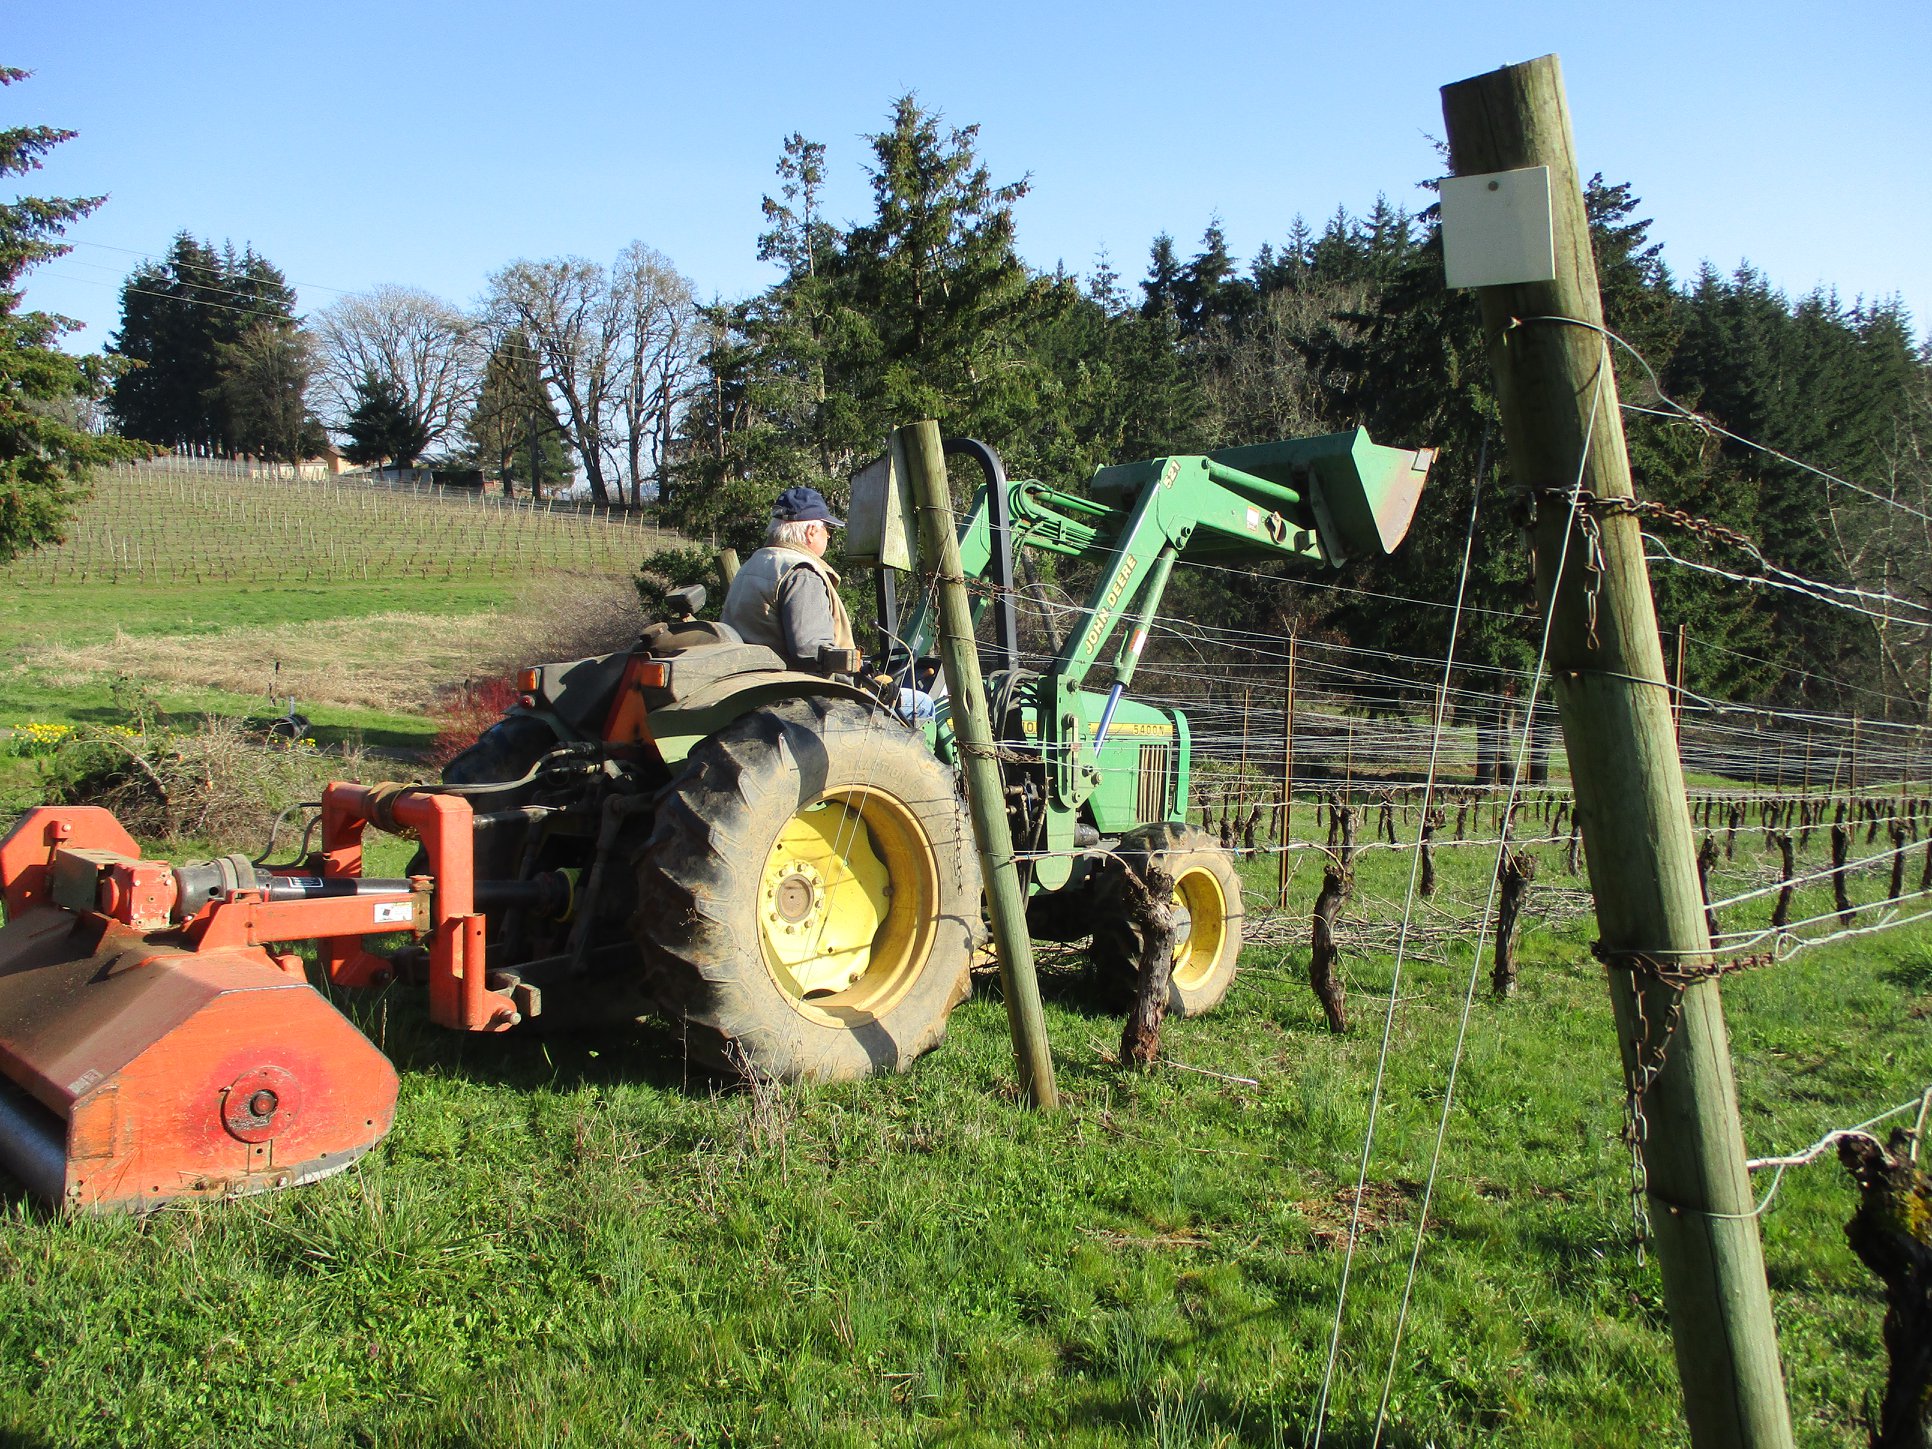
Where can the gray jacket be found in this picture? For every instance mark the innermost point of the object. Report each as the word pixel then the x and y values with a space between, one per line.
pixel 787 600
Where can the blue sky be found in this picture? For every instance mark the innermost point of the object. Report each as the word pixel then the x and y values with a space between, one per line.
pixel 430 143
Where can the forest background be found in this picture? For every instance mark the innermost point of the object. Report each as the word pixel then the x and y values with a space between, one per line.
pixel 1800 424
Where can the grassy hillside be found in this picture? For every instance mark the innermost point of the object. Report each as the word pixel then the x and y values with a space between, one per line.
pixel 143 525
pixel 227 596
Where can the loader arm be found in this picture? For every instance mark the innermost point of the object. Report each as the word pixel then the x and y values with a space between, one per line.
pixel 1319 501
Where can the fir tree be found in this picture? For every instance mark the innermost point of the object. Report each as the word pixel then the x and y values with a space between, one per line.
pixel 44 455
pixel 190 380
pixel 513 432
pixel 381 428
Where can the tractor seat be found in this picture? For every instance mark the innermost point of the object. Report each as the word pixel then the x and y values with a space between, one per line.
pixel 671 636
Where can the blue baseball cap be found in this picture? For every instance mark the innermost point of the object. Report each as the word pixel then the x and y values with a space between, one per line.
pixel 804 505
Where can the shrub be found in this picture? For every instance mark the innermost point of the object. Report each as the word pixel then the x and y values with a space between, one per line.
pixel 216 781
pixel 677 568
pixel 465 713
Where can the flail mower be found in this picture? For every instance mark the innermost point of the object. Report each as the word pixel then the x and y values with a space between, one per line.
pixel 776 861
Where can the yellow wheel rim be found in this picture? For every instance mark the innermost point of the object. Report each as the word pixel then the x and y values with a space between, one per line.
pixel 1200 926
pixel 847 905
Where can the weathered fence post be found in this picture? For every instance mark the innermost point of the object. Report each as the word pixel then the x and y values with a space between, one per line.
pixel 1562 425
pixel 919 449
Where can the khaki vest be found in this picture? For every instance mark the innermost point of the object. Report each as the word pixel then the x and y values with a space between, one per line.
pixel 752 605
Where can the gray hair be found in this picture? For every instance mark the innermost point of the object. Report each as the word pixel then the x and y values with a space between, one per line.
pixel 788 533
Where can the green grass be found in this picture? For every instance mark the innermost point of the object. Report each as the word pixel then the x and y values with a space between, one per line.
pixel 84 613
pixel 572 1241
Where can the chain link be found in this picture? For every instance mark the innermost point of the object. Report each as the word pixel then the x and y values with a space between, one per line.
pixel 1647 1057
pixel 1596 505
pixel 1593 567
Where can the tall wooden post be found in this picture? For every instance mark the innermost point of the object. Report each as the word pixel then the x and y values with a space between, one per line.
pixel 1287 773
pixel 919 454
pixel 1241 774
pixel 1560 414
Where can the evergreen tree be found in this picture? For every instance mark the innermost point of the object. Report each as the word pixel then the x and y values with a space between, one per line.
pixel 513 432
pixel 1161 291
pixel 938 302
pixel 44 455
pixel 1208 291
pixel 171 324
pixel 381 427
pixel 183 321
pixel 924 311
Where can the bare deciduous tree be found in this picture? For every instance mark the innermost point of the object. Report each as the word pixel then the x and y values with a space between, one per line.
pixel 657 323
pixel 1257 381
pixel 563 307
pixel 424 347
pixel 615 349
pixel 1883 541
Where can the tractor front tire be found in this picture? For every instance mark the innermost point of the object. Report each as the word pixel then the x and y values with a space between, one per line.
pixel 1207 899
pixel 809 898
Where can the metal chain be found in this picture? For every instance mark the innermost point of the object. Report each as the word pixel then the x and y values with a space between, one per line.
pixel 1595 504
pixel 1644 1072
pixel 1679 973
pixel 1636 1126
pixel 1593 567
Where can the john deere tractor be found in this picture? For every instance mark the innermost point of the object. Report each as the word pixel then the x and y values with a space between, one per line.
pixel 777 862
pixel 788 859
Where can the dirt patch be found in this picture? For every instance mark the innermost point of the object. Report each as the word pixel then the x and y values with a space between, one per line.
pixel 1330 1218
pixel 400 662
pixel 1157 1242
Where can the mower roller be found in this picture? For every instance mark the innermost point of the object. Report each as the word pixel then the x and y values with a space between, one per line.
pixel 774 860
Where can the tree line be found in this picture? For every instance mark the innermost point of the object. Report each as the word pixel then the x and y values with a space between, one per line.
pixel 1740 400
pixel 564 367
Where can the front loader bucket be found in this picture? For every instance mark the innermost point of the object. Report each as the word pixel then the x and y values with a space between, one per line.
pixel 1362 493
pixel 137 1073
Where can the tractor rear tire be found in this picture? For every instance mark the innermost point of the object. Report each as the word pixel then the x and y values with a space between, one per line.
pixel 809 899
pixel 1207 942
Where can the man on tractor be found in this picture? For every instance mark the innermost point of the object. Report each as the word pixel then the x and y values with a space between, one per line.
pixel 786 596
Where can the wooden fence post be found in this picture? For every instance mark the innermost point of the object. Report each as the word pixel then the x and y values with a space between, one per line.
pixel 919 449
pixel 1562 426
pixel 1287 774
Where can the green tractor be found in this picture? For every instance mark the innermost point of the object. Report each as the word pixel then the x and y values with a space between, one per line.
pixel 781 863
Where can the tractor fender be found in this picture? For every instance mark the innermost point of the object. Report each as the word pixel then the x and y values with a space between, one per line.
pixel 701 714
